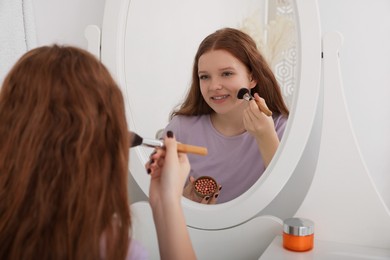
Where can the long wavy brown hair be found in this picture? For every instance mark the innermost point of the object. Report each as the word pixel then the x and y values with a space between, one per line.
pixel 241 46
pixel 63 159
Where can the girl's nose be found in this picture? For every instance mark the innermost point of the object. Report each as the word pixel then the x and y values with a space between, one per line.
pixel 215 85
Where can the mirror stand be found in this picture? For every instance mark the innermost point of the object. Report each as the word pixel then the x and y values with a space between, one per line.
pixel 342 200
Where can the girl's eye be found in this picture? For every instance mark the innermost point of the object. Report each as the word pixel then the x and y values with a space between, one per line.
pixel 203 77
pixel 227 73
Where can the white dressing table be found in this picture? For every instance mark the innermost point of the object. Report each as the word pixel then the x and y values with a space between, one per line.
pixel 325 250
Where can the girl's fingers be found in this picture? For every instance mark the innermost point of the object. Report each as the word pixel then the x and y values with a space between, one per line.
pixel 262 105
pixel 170 145
pixel 205 200
pixel 213 198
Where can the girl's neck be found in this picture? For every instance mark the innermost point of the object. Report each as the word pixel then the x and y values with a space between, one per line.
pixel 228 125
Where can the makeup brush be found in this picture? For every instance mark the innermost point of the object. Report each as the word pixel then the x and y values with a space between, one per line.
pixel 243 93
pixel 153 143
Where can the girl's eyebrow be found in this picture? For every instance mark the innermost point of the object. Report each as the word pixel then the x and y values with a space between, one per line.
pixel 221 69
pixel 227 68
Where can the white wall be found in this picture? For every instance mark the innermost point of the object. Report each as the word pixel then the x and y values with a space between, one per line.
pixel 365 63
pixel 64 22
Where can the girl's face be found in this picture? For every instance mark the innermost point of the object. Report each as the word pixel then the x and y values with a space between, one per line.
pixel 221 75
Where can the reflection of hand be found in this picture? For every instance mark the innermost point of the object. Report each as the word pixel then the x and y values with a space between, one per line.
pixel 262 128
pixel 256 122
pixel 189 193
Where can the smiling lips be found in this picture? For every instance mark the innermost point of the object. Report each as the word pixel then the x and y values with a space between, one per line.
pixel 220 97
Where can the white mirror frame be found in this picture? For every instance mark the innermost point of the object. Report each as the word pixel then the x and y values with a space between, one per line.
pixel 298 130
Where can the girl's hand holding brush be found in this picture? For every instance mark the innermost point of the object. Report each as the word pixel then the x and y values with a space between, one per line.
pixel 169 170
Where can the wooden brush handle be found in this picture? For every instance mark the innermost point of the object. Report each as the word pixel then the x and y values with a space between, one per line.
pixel 263 108
pixel 186 148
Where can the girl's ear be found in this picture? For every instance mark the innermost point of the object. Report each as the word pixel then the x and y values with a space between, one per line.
pixel 252 82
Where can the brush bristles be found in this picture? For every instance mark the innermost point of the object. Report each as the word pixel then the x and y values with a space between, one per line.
pixel 137 140
pixel 241 93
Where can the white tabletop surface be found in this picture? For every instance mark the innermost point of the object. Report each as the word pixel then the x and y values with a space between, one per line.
pixel 325 250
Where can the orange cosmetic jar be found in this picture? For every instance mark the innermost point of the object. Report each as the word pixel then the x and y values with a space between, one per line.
pixel 298 234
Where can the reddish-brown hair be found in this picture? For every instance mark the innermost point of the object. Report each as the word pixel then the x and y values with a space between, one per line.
pixel 63 159
pixel 241 46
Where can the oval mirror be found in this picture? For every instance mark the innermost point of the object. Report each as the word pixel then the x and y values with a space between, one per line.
pixel 149 47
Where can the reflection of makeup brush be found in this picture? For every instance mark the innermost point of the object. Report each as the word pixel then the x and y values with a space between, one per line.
pixel 182 148
pixel 243 93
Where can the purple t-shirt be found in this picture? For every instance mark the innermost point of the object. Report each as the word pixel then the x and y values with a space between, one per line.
pixel 136 250
pixel 233 161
